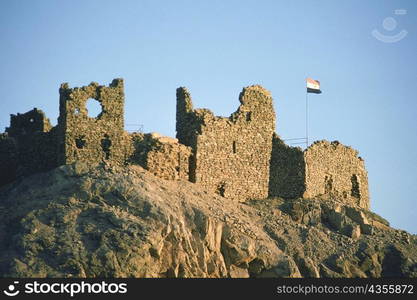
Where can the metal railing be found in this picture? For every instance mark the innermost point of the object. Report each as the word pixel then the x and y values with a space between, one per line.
pixel 297 141
pixel 129 127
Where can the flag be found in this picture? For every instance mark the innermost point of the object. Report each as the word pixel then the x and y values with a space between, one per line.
pixel 313 86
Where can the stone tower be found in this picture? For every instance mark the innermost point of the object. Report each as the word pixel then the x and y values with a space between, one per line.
pixel 327 170
pixel 92 139
pixel 231 155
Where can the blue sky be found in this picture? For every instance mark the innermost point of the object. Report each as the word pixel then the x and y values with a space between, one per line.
pixel 215 48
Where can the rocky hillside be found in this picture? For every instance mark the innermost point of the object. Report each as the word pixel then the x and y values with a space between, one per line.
pixel 107 221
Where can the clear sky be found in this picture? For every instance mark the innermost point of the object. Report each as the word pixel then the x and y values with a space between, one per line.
pixel 214 48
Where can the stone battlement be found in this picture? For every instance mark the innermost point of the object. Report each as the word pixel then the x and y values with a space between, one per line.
pixel 239 157
pixel 328 170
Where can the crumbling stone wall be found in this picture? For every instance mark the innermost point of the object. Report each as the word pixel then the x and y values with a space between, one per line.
pixel 31 145
pixel 33 140
pixel 22 125
pixel 336 171
pixel 230 155
pixel 326 170
pixel 287 175
pixel 239 157
pixel 8 159
pixel 92 139
pixel 162 156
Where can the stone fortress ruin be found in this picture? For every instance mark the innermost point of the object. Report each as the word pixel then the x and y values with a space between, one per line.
pixel 239 157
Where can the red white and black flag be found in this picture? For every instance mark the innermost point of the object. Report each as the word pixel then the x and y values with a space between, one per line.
pixel 313 86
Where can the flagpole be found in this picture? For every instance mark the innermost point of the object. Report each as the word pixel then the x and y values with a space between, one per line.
pixel 306 119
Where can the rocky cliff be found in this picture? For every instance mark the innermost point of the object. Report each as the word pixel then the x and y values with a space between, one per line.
pixel 108 221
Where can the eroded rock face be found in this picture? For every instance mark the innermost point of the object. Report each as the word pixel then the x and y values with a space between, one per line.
pixel 107 221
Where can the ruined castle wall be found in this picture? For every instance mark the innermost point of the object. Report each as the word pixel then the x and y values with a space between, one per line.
pixel 287 170
pixel 336 171
pixel 8 159
pixel 162 156
pixel 188 122
pixel 238 157
pixel 92 139
pixel 22 125
pixel 36 153
pixel 34 142
pixel 230 155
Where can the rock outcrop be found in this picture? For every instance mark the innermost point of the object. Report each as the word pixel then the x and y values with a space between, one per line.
pixel 80 220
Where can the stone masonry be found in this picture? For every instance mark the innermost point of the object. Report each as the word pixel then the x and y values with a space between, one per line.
pixel 162 156
pixel 230 155
pixel 239 157
pixel 287 173
pixel 336 171
pixel 326 170
pixel 27 145
pixel 92 139
pixel 9 159
pixel 31 145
